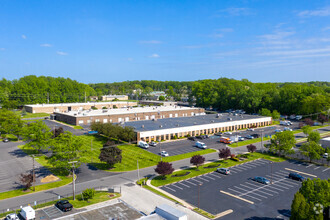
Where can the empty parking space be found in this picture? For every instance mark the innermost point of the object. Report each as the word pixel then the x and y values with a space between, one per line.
pixel 217 193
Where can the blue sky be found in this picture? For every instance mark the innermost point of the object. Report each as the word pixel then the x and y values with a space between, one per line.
pixel 109 41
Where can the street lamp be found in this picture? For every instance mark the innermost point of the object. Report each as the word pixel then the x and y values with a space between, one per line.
pixel 262 145
pixel 271 172
pixel 199 185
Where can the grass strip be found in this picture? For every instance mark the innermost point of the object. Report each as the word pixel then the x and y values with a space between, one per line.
pixel 204 213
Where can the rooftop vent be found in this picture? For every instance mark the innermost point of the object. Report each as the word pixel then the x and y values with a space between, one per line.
pixel 230 119
pixel 160 126
pixel 212 120
pixel 142 126
pixel 177 125
pixel 195 123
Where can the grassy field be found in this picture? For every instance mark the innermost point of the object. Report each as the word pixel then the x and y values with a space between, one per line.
pixel 78 203
pixel 158 181
pixel 32 115
pixel 246 142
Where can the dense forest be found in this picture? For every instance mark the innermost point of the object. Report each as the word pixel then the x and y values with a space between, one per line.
pixel 221 94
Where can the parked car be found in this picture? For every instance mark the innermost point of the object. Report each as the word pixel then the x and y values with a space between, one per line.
pixel 223 171
pixel 325 155
pixel 225 140
pixel 262 180
pixel 241 138
pixel 200 145
pixel 64 205
pixel 228 132
pixel 5 140
pixel 164 154
pixel 250 129
pixel 218 134
pixel 12 216
pixel 278 130
pixel 199 137
pixel 153 144
pixel 296 176
pixel 287 129
pixel 204 136
pixel 249 137
pixel 192 138
pixel 255 135
pixel 143 144
pixel 27 213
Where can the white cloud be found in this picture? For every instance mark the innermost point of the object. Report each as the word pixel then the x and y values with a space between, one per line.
pixel 226 30
pixel 62 53
pixel 326 28
pixel 2 49
pixel 46 45
pixel 320 12
pixel 236 11
pixel 150 42
pixel 216 35
pixel 298 53
pixel 23 36
pixel 154 55
pixel 277 38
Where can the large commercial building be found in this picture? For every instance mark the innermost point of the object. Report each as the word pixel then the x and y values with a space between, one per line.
pixel 166 129
pixel 112 97
pixel 120 115
pixel 66 107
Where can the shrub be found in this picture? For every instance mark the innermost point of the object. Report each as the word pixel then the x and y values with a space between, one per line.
pixel 94 108
pixel 233 156
pixel 234 159
pixel 88 193
pixel 175 137
pixel 104 107
pixel 244 155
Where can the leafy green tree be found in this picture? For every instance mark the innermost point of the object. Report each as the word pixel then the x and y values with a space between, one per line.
pixel 37 135
pixel 10 123
pixel 65 148
pixel 311 150
pixel 314 136
pixel 307 129
pixel 127 133
pixel 161 98
pixel 282 143
pixel 265 112
pixel 111 155
pixel 299 208
pixel 88 193
pixel 276 114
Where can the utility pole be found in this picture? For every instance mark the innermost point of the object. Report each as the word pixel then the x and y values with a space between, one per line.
pixel 92 151
pixel 73 181
pixel 271 172
pixel 33 174
pixel 47 97
pixel 85 97
pixel 262 146
pixel 137 163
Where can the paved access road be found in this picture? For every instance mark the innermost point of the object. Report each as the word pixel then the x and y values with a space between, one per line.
pixel 248 199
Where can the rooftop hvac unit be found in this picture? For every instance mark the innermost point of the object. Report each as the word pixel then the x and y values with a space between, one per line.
pixel 177 125
pixel 75 114
pixel 195 123
pixel 160 126
pixel 142 126
pixel 212 120
pixel 230 119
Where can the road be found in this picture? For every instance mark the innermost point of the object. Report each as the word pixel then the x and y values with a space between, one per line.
pixel 108 179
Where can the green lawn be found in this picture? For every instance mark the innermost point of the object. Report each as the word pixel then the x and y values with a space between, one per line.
pixel 158 181
pixel 77 127
pixel 11 137
pixel 32 115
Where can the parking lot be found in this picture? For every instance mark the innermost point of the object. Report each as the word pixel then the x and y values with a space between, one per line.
pixel 216 193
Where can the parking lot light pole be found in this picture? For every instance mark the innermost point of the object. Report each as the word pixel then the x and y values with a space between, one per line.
pixel 73 180
pixel 199 185
pixel 262 145
pixel 271 172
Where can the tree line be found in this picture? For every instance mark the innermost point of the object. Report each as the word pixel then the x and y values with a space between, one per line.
pixel 220 94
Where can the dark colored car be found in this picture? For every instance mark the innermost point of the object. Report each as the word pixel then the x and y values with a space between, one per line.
pixel 204 136
pixel 262 180
pixel 64 205
pixel 192 138
pixel 199 137
pixel 218 134
pixel 296 176
pixel 5 140
pixel 255 135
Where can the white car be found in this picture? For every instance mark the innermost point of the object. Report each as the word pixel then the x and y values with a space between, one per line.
pixel 164 154
pixel 228 132
pixel 12 216
pixel 143 144
pixel 325 155
pixel 241 138
pixel 278 130
pixel 250 129
pixel 200 145
pixel 287 129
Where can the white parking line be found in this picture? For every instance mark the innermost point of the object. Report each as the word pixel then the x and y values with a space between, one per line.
pixel 285 184
pixel 277 175
pixel 261 161
pixel 238 192
pixel 272 186
pixel 214 175
pixel 249 192
pixel 196 180
pixel 263 188
pixel 249 187
pixel 280 186
pixel 326 169
pixel 208 177
pixel 284 172
pixel 177 186
pixel 190 183
pixel 169 188
pixel 202 178
pixel 253 197
pixel 316 168
pixel 245 195
pixel 237 168
pixel 248 166
pixel 309 165
pixel 232 171
pixel 184 184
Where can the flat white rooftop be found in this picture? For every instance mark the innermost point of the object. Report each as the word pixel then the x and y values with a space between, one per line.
pixel 119 111
pixel 76 104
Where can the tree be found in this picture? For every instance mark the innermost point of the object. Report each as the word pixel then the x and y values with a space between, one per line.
pixel 251 148
pixel 111 155
pixel 322 118
pixel 224 153
pixel 88 193
pixel 307 129
pixel 10 123
pixel 197 160
pixel 65 148
pixel 58 131
pixel 309 121
pixel 311 150
pixel 265 112
pixel 282 143
pixel 37 135
pixel 26 180
pixel 276 114
pixel 127 133
pixel 161 98
pixel 310 193
pixel 314 136
pixel 164 168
